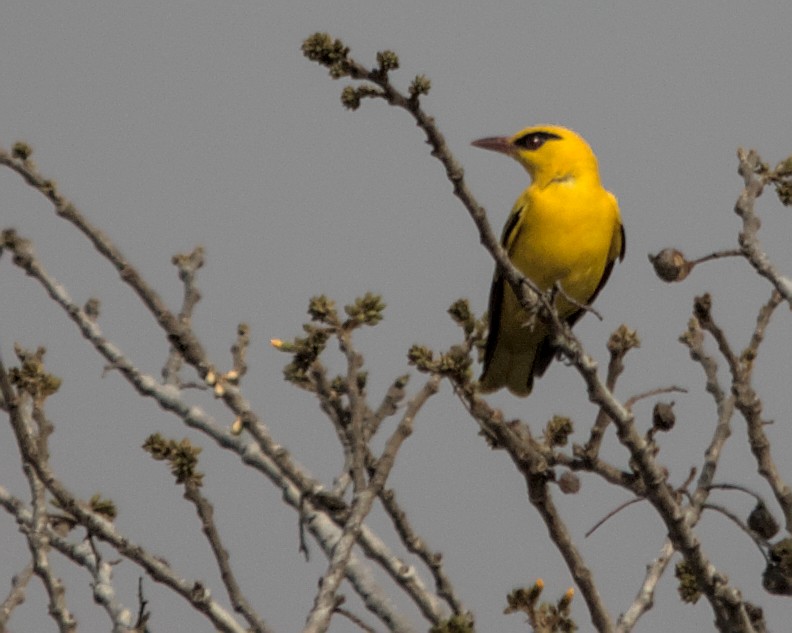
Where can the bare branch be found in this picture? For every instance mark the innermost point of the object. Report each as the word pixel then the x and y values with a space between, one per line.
pixel 517 441
pixel 620 342
pixel 416 545
pixel 188 265
pixel 750 169
pixel 645 598
pixel 651 393
pixel 265 455
pixel 324 604
pixel 84 555
pixel 192 493
pixel 16 596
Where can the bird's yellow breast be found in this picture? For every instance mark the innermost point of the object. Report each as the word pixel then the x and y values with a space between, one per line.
pixel 565 234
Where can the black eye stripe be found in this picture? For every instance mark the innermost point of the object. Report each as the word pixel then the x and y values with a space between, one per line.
pixel 534 140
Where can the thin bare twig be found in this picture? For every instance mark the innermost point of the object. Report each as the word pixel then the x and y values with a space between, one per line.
pixel 760 544
pixel 717 255
pixel 16 595
pixel 354 620
pixel 188 265
pixel 610 514
pixel 416 545
pixel 750 168
pixel 630 402
pixel 557 289
pixel 644 600
pixel 620 342
pixel 319 618
pixel 239 601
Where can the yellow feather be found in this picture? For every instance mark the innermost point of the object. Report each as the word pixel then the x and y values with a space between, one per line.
pixel 565 228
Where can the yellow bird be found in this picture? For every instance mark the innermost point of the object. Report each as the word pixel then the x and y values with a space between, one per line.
pixel 565 228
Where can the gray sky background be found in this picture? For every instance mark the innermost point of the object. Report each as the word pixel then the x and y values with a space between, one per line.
pixel 183 123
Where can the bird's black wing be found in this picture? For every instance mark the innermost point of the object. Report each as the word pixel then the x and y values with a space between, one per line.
pixel 496 292
pixel 575 316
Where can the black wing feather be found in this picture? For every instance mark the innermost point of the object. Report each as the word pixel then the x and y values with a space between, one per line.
pixel 496 295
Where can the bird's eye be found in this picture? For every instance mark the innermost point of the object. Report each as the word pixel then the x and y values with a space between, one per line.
pixel 530 141
pixel 534 140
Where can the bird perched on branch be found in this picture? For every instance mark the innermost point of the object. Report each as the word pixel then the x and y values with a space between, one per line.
pixel 564 229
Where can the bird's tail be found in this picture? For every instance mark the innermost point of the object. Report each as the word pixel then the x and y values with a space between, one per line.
pixel 516 368
pixel 514 371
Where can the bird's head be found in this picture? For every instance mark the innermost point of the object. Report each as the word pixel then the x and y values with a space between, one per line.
pixel 548 152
